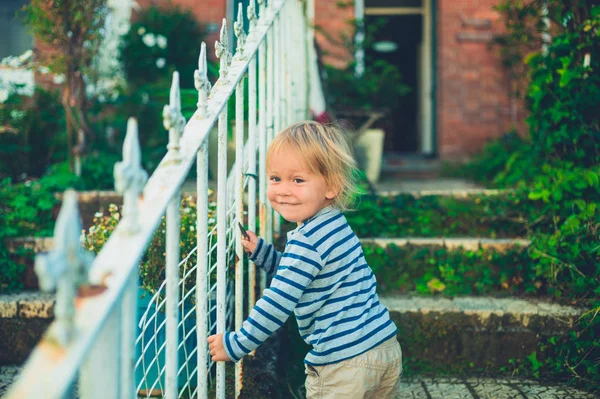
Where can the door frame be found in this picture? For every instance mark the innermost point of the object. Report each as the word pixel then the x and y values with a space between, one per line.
pixel 427 81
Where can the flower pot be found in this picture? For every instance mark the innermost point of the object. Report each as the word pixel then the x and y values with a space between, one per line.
pixel 368 150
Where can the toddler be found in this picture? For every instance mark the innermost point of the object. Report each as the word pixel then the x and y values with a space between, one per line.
pixel 322 276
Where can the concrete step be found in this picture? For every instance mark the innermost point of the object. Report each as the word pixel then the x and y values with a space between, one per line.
pixel 466 243
pixel 23 319
pixel 481 333
pixel 486 388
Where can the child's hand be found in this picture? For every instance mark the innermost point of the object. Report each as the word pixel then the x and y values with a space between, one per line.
pixel 250 245
pixel 217 350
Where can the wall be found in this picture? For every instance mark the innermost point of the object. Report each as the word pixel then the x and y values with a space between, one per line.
pixel 473 105
pixel 334 25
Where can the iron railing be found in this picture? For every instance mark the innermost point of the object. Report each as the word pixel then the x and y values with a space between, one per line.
pixel 97 345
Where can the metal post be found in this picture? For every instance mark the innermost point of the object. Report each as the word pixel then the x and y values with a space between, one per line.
pixel 225 59
pixel 252 173
pixel 101 370
pixel 202 270
pixel 277 114
pixel 239 217
pixel 172 305
pixel 270 111
pixel 128 323
pixel 262 140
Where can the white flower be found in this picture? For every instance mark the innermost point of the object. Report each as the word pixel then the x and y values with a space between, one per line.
pixel 59 79
pixel 141 30
pixel 160 62
pixel 161 41
pixel 25 56
pixel 192 228
pixel 3 95
pixel 98 214
pixel 43 70
pixel 211 220
pixel 14 62
pixel 149 39
pixel 17 114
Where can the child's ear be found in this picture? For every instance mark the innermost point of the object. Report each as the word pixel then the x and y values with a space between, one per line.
pixel 331 193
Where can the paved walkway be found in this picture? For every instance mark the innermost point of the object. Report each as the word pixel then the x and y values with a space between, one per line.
pixel 439 388
pixel 483 388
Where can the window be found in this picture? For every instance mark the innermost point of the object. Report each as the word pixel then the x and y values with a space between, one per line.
pixel 15 37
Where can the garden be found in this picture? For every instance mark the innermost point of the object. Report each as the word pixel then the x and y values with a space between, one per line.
pixel 549 176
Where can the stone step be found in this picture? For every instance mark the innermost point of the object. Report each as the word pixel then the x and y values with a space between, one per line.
pixel 475 332
pixel 23 319
pixel 486 388
pixel 467 243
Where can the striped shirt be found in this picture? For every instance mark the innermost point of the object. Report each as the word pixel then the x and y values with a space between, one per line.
pixel 323 277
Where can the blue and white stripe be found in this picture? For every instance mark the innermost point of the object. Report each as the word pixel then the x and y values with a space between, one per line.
pixel 323 277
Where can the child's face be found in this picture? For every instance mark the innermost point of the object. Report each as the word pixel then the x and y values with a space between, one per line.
pixel 295 192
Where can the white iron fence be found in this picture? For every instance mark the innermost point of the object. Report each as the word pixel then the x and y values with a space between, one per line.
pixel 98 347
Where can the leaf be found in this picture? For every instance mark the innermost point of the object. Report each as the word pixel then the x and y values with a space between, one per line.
pixel 435 285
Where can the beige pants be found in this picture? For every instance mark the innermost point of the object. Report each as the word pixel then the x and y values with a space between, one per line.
pixel 375 374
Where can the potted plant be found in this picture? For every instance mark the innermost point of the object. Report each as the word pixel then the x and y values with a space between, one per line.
pixel 360 103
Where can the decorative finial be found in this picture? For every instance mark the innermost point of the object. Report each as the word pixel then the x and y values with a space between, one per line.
pixel 173 119
pixel 130 177
pixel 261 6
pixel 252 15
pixel 65 268
pixel 238 29
pixel 222 50
pixel 201 82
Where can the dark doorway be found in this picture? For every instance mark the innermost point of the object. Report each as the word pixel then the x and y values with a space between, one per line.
pixel 397 40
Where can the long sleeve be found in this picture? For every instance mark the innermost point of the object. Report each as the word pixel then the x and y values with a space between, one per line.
pixel 266 257
pixel 298 266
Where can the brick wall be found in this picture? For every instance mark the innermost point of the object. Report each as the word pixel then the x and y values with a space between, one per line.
pixel 333 24
pixel 474 105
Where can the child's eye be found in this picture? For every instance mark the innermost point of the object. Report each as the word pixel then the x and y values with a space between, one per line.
pixel 274 179
pixel 297 180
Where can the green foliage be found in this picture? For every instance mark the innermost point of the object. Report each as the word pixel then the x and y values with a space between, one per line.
pixel 558 166
pixel 152 267
pixel 379 88
pixel 71 31
pixel 161 33
pixel 496 216
pixel 72 27
pixel 32 133
pixel 25 209
pixel 433 269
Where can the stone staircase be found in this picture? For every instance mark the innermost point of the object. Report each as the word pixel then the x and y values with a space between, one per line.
pixel 472 336
pixel 463 334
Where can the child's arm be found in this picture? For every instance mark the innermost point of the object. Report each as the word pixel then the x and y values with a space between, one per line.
pixel 298 267
pixel 262 254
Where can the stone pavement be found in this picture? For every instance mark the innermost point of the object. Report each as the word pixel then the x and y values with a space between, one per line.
pixel 485 388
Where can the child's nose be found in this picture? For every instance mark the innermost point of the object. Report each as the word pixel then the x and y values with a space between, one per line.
pixel 283 190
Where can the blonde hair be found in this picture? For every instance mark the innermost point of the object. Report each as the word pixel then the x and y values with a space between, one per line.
pixel 326 151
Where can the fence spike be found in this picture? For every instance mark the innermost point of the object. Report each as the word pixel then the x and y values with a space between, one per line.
pixel 202 83
pixel 238 29
pixel 130 177
pixel 252 15
pixel 222 50
pixel 64 268
pixel 173 119
pixel 261 5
